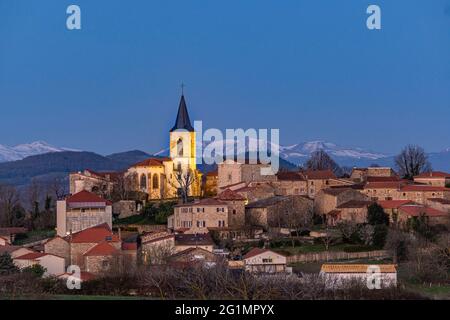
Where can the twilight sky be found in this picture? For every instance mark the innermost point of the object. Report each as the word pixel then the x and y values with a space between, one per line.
pixel 308 67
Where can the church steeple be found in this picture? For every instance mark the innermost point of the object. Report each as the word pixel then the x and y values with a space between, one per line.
pixel 183 121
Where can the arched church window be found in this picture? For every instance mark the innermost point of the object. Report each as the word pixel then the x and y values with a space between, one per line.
pixel 180 147
pixel 155 182
pixel 143 182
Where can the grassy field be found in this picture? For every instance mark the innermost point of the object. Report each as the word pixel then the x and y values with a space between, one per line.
pixel 33 236
pixel 314 248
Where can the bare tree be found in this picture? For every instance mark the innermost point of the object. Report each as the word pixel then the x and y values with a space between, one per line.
pixel 347 228
pixel 184 179
pixel 320 160
pixel 124 185
pixel 9 199
pixel 366 234
pixel 412 161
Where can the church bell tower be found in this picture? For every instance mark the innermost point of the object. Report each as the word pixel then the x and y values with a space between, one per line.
pixel 182 140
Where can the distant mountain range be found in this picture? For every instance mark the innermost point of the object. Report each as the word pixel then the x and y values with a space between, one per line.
pixel 22 151
pixel 44 162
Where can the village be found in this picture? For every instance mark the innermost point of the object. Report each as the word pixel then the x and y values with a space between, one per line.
pixel 165 212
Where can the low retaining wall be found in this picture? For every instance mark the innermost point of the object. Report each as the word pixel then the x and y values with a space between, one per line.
pixel 340 255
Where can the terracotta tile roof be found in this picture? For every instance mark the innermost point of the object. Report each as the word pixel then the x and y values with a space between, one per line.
pixel 417 210
pixel 354 204
pixel 290 176
pixel 229 195
pixel 10 249
pixel 267 202
pixel 423 188
pixel 202 202
pixel 356 268
pixel 393 204
pixel 102 249
pixel 193 239
pixel 95 234
pixel 151 162
pixel 31 256
pixel 86 197
pixel 187 251
pixel 434 174
pixel 165 237
pixel 319 174
pixel 382 179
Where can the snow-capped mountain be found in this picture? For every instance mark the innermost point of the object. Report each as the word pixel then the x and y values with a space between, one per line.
pixel 298 153
pixel 22 151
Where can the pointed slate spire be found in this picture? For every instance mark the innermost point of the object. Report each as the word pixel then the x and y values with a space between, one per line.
pixel 183 121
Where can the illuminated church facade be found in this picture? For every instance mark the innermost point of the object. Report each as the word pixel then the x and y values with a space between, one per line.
pixel 158 176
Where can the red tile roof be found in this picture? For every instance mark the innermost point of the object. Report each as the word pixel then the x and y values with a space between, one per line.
pixel 423 188
pixel 417 210
pixel 434 174
pixel 102 249
pixel 382 179
pixel 86 197
pixel 319 174
pixel 290 176
pixel 31 256
pixel 95 234
pixel 229 195
pixel 166 237
pixel 393 204
pixel 152 162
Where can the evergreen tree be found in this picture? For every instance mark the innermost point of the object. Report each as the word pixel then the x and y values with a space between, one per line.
pixel 376 215
pixel 7 265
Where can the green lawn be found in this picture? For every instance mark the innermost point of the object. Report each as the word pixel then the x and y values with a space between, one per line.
pixel 137 219
pixel 314 248
pixel 33 236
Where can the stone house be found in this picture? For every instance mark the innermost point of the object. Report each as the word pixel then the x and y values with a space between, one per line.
pixel 186 241
pixel 291 183
pixel 322 179
pixel 278 211
pixel 194 255
pixel 236 207
pixel 359 175
pixel 434 178
pixel 81 211
pixel 197 217
pixel 329 199
pixel 439 204
pixel 384 190
pixel 353 210
pixel 339 275
pixel 156 249
pixel 256 191
pixel 421 193
pixel 231 172
pixel 100 183
pixel 210 184
pixel 89 249
pixel 413 211
pixel 263 261
pixel 391 207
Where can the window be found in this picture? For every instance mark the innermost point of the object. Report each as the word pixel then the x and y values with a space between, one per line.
pixel 267 260
pixel 143 182
pixel 217 209
pixel 234 211
pixel 155 181
pixel 105 264
pixel 198 209
pixel 180 147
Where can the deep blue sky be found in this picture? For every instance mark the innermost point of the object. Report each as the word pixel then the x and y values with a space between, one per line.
pixel 310 68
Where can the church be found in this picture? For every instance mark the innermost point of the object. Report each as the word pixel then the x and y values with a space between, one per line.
pixel 163 178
